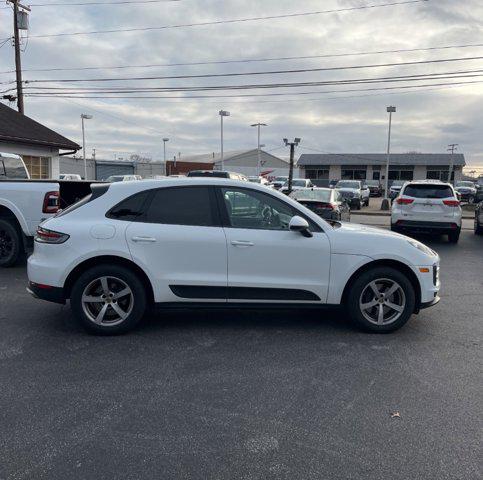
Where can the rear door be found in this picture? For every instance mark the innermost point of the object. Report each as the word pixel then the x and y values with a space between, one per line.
pixel 428 202
pixel 179 240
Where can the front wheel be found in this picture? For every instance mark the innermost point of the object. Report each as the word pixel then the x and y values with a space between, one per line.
pixel 381 300
pixel 108 299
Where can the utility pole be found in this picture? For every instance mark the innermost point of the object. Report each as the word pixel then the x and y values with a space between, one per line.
pixel 222 113
pixel 385 202
pixel 292 154
pixel 18 61
pixel 451 148
pixel 258 125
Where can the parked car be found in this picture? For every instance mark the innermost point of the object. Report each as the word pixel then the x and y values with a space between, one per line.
pixel 261 180
pixel 279 182
pixel 466 190
pixel 479 219
pixel 479 193
pixel 333 183
pixel 217 174
pixel 427 206
pixel 354 192
pixel 395 188
pixel 24 204
pixel 325 202
pixel 297 184
pixel 375 188
pixel 202 242
pixel 69 176
pixel 123 178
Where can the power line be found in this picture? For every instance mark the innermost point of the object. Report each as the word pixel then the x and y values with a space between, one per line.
pixel 221 62
pixel 239 74
pixel 56 95
pixel 344 82
pixel 236 20
pixel 120 2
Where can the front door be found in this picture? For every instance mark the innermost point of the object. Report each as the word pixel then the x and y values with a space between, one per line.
pixel 180 242
pixel 267 261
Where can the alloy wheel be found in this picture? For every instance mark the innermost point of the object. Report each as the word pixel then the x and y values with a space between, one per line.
pixel 107 301
pixel 382 301
pixel 6 244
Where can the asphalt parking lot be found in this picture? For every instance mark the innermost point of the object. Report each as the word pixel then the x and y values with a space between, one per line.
pixel 245 395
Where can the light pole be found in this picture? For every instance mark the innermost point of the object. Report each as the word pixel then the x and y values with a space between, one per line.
pixel 385 202
pixel 164 152
pixel 292 154
pixel 258 125
pixel 451 148
pixel 222 113
pixel 84 117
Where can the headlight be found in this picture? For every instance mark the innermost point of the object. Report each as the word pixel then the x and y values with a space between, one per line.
pixel 422 247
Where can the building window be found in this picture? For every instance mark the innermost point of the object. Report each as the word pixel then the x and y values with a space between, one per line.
pixel 38 167
pixel 317 174
pixel 439 175
pixel 401 174
pixel 353 174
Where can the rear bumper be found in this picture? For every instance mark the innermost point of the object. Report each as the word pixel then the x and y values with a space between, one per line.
pixel 422 226
pixel 46 292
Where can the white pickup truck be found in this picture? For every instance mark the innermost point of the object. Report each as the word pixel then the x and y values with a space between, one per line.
pixel 25 203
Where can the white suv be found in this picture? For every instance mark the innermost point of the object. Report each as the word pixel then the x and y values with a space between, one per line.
pixel 208 241
pixel 427 206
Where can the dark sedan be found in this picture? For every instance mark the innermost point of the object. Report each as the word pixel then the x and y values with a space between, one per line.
pixel 325 202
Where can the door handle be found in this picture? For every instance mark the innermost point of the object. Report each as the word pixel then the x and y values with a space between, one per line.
pixel 242 243
pixel 143 239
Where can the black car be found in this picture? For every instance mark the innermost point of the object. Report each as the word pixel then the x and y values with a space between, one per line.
pixel 375 188
pixel 325 202
pixel 479 219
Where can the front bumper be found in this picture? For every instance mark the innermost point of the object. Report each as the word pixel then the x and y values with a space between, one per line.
pixel 46 292
pixel 431 303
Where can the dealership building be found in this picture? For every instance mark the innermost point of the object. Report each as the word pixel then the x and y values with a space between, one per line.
pixel 372 166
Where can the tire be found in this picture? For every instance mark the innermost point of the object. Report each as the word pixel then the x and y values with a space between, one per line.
pixel 132 304
pixel 394 228
pixel 367 202
pixel 453 237
pixel 358 205
pixel 10 244
pixel 361 293
pixel 478 228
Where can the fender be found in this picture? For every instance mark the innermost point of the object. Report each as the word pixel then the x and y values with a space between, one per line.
pixel 17 214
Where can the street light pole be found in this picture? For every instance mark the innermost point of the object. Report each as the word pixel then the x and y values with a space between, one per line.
pixel 385 202
pixel 292 155
pixel 84 117
pixel 258 125
pixel 222 113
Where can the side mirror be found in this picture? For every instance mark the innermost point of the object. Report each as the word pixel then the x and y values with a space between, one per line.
pixel 299 224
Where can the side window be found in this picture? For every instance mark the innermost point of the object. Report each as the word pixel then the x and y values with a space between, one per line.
pixel 252 209
pixel 130 209
pixel 182 206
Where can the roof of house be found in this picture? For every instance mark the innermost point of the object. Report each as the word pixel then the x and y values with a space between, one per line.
pixel 309 159
pixel 17 128
pixel 215 157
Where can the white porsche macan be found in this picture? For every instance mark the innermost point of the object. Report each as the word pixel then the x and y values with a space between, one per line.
pixel 215 242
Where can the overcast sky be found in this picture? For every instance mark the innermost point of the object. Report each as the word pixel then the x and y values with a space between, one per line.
pixel 426 120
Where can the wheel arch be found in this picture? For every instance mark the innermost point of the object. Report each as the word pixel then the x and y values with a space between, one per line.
pixel 397 265
pixel 109 260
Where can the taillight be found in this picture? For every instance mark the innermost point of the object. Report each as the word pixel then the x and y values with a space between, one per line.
pixel 51 202
pixel 325 206
pixel 404 201
pixel 49 236
pixel 451 203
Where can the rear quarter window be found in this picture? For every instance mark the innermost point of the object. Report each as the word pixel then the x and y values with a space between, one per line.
pixel 131 208
pixel 428 191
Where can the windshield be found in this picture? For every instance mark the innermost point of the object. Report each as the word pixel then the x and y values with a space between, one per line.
pixel 465 184
pixel 298 183
pixel 372 183
pixel 348 184
pixel 319 194
pixel 254 179
pixel 280 179
pixel 397 183
pixel 115 178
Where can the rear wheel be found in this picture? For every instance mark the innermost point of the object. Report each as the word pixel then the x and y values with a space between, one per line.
pixel 381 300
pixel 10 244
pixel 453 237
pixel 108 299
pixel 358 205
pixel 367 201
